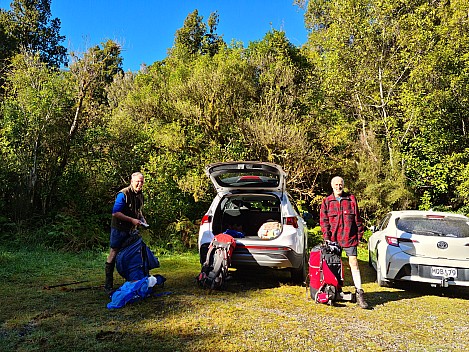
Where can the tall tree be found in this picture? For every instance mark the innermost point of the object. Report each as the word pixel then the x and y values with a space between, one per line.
pixel 194 39
pixel 35 116
pixel 28 26
pixel 276 128
pixel 397 73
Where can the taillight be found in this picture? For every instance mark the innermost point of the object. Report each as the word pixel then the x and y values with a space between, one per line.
pixel 291 220
pixel 206 220
pixel 394 241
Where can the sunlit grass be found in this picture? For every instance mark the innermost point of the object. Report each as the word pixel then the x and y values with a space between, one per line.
pixel 258 311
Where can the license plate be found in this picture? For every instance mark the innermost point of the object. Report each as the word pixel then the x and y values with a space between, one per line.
pixel 444 272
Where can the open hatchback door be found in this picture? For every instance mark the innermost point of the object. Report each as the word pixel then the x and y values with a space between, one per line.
pixel 246 175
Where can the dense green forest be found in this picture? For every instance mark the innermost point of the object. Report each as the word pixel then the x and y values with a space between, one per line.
pixel 379 94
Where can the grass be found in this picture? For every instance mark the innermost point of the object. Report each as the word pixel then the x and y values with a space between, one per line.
pixel 258 311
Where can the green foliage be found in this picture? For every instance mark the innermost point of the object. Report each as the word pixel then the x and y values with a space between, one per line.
pixel 29 25
pixel 36 115
pixel 193 39
pixel 378 95
pixel 391 70
pixel 70 233
pixel 314 237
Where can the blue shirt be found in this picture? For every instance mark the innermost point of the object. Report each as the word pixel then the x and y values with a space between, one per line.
pixel 119 203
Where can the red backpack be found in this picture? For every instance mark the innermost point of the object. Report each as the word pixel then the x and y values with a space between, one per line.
pixel 325 274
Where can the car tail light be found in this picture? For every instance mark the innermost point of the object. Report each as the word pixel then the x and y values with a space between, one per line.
pixel 394 241
pixel 206 220
pixel 291 220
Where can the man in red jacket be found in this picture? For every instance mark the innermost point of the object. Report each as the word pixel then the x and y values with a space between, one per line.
pixel 341 222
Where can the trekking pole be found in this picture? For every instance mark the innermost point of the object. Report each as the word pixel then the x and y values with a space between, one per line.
pixel 48 287
pixel 85 288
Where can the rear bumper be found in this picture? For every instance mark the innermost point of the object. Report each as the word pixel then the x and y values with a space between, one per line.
pixel 403 267
pixel 422 273
pixel 266 256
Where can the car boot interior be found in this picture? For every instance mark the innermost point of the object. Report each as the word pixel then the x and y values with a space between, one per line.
pixel 246 213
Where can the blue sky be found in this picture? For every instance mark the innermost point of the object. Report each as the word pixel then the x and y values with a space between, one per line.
pixel 146 28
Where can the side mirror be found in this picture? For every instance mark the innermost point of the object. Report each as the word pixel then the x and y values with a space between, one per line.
pixel 373 228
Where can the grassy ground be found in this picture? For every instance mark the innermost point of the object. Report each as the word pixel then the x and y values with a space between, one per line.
pixel 259 311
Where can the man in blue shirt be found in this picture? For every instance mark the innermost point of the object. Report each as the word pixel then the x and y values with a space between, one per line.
pixel 126 217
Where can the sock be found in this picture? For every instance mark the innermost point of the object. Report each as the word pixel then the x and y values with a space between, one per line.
pixel 357 280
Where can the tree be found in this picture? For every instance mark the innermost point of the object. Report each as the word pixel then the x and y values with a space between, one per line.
pixel 28 26
pixel 371 58
pixel 277 128
pixel 35 117
pixel 193 39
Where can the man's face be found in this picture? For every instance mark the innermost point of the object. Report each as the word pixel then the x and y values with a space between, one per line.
pixel 337 186
pixel 137 183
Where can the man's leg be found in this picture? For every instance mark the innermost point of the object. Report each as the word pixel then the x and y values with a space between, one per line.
pixel 116 239
pixel 109 270
pixel 357 280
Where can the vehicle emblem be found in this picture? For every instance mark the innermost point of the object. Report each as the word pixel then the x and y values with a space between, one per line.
pixel 442 245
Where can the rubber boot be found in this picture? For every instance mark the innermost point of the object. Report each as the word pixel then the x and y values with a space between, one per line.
pixel 361 299
pixel 109 283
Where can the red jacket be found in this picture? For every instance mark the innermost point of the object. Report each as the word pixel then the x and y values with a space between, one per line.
pixel 340 221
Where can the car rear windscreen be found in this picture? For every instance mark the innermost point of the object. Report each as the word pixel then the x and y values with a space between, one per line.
pixel 434 226
pixel 254 178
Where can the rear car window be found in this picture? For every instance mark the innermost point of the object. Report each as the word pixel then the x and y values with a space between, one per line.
pixel 434 226
pixel 248 179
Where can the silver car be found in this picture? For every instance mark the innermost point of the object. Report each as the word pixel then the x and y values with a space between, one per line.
pixel 425 246
pixel 252 201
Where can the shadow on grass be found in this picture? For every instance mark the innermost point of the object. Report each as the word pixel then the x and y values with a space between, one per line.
pixel 246 279
pixel 399 290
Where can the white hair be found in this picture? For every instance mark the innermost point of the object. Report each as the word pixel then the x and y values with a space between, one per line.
pixel 336 178
pixel 137 174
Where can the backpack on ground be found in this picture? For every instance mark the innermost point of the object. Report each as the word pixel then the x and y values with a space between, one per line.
pixel 215 268
pixel 135 260
pixel 326 275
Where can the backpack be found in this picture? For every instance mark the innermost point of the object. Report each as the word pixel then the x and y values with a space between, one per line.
pixel 215 268
pixel 135 260
pixel 326 275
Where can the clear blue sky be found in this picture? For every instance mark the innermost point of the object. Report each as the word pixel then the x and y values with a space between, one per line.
pixel 146 28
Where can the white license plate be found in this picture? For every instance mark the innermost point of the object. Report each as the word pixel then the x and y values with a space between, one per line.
pixel 444 272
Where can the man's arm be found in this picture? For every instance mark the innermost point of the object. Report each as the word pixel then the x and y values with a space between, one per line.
pixel 324 221
pixel 358 219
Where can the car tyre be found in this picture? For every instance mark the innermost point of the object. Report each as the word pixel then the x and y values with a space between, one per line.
pixel 298 275
pixel 382 282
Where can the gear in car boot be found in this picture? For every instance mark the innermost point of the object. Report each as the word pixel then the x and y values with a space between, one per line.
pixel 109 282
pixel 361 299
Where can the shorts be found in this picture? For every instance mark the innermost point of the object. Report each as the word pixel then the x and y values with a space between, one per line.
pixel 351 251
pixel 117 238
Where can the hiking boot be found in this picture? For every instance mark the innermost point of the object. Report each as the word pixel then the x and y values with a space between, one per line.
pixel 361 299
pixel 109 282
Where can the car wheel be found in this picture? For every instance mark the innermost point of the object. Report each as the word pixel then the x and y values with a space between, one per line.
pixel 382 282
pixel 298 275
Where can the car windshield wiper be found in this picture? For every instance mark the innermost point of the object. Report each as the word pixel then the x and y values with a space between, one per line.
pixel 428 232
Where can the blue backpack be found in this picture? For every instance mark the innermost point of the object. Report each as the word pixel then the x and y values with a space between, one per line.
pixel 135 261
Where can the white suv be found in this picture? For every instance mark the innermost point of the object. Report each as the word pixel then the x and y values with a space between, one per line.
pixel 253 203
